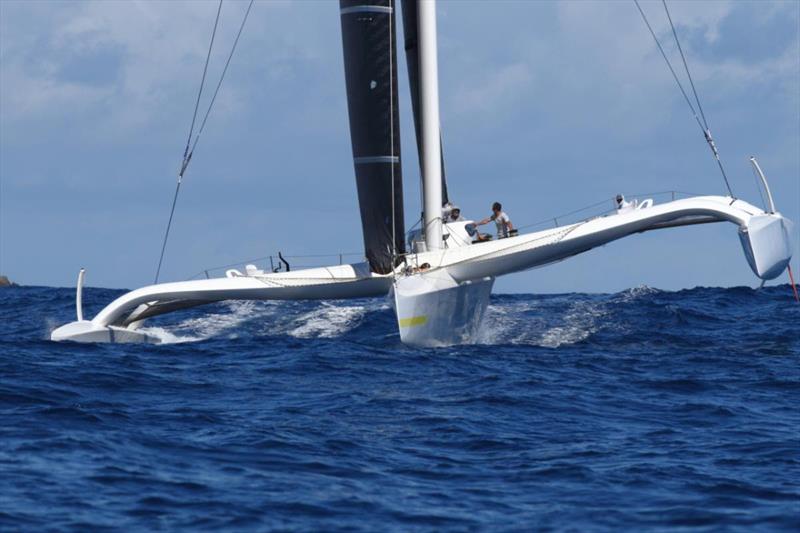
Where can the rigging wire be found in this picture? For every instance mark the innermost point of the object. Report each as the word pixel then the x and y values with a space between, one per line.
pixel 184 163
pixel 704 123
pixel 202 81
pixel 685 65
pixel 190 146
pixel 221 78
pixel 391 131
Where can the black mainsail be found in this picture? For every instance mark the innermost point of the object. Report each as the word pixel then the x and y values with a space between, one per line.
pixel 370 67
pixel 410 22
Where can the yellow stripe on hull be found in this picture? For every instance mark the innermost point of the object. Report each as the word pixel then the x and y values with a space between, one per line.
pixel 413 321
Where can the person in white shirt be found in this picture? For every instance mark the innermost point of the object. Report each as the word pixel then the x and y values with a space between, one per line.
pixel 624 206
pixel 501 220
pixel 446 209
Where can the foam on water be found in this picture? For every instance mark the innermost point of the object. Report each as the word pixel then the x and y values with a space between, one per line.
pixel 635 292
pixel 581 320
pixel 211 324
pixel 328 321
pixel 545 323
pixel 165 336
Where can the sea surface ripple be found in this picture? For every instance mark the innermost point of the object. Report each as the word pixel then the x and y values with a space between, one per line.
pixel 639 410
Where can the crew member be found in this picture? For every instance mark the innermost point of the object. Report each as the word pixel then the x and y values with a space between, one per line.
pixel 454 215
pixel 624 206
pixel 501 220
pixel 447 207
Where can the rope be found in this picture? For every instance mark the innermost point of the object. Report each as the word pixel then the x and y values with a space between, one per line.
pixel 202 84
pixel 702 124
pixel 794 287
pixel 391 131
pixel 188 152
pixel 221 78
pixel 562 216
pixel 707 131
pixel 185 161
pixel 166 233
pixel 548 220
pixel 685 65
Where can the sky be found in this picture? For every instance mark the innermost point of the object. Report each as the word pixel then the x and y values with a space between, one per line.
pixel 545 106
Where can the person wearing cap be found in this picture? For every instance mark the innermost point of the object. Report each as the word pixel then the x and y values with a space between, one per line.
pixel 454 215
pixel 501 220
pixel 446 208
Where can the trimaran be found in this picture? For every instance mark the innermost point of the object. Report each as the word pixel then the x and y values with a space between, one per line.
pixel 440 285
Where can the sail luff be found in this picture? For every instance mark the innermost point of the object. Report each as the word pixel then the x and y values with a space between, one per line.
pixel 370 64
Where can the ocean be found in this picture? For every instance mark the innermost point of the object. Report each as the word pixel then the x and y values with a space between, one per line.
pixel 641 410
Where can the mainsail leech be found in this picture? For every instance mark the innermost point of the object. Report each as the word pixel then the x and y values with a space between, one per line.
pixel 370 67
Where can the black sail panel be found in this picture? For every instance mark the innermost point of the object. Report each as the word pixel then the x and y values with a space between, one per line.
pixel 412 62
pixel 370 67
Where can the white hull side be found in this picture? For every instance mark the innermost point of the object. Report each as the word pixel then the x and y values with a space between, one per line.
pixel 434 310
pixel 767 244
pixel 504 256
pixel 87 331
pixel 328 283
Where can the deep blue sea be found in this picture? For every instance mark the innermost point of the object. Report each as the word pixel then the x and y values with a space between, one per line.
pixel 641 410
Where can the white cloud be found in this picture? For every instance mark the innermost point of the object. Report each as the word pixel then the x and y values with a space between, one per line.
pixel 157 49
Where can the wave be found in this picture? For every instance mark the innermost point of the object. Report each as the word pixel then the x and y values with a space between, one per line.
pixel 545 323
pixel 328 321
pixel 212 325
pixel 639 315
pixel 316 417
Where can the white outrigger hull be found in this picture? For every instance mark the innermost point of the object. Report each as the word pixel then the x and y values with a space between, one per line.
pixel 452 290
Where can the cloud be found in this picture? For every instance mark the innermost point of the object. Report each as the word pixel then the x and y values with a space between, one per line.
pixel 595 65
pixel 550 104
pixel 62 70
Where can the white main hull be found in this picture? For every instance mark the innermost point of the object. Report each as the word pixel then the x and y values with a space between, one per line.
pixel 435 310
pixel 765 239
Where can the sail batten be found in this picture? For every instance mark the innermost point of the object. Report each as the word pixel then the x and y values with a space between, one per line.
pixel 370 65
pixel 366 9
pixel 376 159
